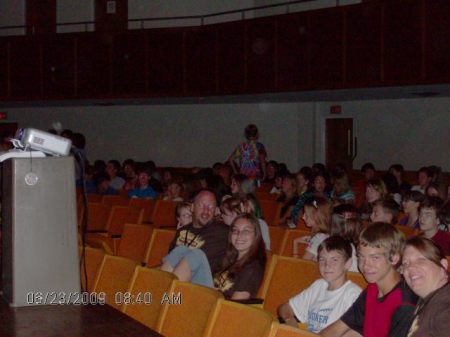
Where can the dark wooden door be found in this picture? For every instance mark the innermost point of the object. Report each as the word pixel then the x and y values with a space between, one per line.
pixel 111 16
pixel 41 16
pixel 339 142
pixel 7 130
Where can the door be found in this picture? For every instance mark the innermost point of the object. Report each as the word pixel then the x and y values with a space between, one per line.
pixel 339 142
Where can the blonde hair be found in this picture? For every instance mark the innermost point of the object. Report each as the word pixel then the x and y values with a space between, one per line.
pixel 319 209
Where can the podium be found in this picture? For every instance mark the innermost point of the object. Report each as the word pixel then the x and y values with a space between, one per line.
pixel 40 263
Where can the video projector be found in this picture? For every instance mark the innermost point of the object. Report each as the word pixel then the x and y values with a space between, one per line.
pixel 37 140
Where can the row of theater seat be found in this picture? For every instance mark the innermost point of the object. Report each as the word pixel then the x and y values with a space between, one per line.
pixel 174 308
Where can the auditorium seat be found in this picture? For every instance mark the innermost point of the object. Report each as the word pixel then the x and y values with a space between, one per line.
pixel 276 238
pixel 134 241
pixel 271 211
pixel 158 246
pixel 238 320
pixel 115 200
pixel 290 235
pixel 92 262
pixel 114 277
pixel 148 205
pixel 287 277
pixel 164 214
pixel 190 317
pixel 147 281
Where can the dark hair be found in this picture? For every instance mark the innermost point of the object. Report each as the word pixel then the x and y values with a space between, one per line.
pixel 128 161
pixel 336 243
pixel 415 196
pixel 427 171
pixel 78 140
pixel 115 163
pixel 257 250
pixel 391 183
pixel 367 166
pixel 435 203
pixel 397 167
pixel 306 171
pixel 389 206
pixel 251 131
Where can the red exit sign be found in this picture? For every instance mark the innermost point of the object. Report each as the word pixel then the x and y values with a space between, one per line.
pixel 3 116
pixel 335 109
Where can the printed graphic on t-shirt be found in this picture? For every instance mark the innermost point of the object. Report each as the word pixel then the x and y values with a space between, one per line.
pixel 317 320
pixel 223 281
pixel 186 238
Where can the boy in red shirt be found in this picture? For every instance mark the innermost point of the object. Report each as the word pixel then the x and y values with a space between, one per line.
pixel 386 307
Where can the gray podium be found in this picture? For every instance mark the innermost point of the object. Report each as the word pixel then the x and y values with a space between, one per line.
pixel 40 263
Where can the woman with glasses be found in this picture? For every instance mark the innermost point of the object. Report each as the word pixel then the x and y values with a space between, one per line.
pixel 424 267
pixel 242 266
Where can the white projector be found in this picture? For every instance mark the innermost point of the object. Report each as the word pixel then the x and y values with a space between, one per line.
pixel 43 141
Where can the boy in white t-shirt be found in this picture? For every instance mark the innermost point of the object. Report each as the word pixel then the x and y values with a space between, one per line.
pixel 329 297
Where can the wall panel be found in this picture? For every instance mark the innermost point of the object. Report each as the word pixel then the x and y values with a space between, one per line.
pixel 231 57
pixel 363 44
pixel 260 55
pixel 325 43
pixel 59 66
pixel 201 66
pixel 3 68
pixel 402 41
pixel 25 68
pixel 292 52
pixel 437 40
pixel 165 62
pixel 129 64
pixel 94 66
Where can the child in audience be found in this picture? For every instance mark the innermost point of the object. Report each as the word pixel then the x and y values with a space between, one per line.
pixel 252 206
pixel 429 219
pixel 240 185
pixel 230 208
pixel 397 170
pixel 288 198
pixel 411 204
pixel 348 226
pixel 174 191
pixel 375 190
pixel 277 183
pixel 385 210
pixel 368 171
pixel 386 307
pixel 303 181
pixel 328 298
pixel 424 178
pixel 242 267
pixel 342 192
pixel 317 216
pixel 437 190
pixel 144 190
pixel 183 214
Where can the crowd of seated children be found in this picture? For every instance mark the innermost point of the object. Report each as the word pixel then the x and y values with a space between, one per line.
pixel 424 268
pixel 242 267
pixel 288 197
pixel 327 298
pixel 317 216
pixel 386 307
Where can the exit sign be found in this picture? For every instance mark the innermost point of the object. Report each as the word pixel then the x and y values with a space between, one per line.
pixel 3 116
pixel 335 109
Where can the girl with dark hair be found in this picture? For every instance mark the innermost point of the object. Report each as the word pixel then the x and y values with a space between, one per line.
pixel 242 267
pixel 411 204
pixel 424 267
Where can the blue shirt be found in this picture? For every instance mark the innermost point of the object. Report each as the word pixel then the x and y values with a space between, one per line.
pixel 147 192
